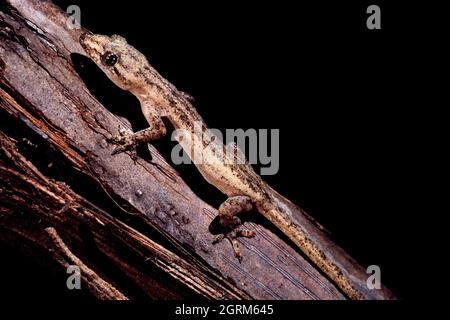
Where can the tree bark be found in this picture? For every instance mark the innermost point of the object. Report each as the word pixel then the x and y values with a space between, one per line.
pixel 133 229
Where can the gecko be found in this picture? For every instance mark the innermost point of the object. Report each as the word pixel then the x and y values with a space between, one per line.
pixel 130 70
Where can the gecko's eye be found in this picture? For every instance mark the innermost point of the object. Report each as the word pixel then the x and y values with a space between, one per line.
pixel 109 59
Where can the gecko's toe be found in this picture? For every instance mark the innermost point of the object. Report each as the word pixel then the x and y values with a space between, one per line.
pixel 232 237
pixel 122 148
pixel 117 150
pixel 218 238
pixel 245 233
pixel 236 250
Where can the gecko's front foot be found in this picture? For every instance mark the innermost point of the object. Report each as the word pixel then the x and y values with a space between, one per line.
pixel 125 141
pixel 129 140
pixel 229 222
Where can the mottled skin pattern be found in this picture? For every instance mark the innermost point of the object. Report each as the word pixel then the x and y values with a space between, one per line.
pixel 130 70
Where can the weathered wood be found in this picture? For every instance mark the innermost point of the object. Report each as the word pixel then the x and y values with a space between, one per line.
pixel 31 202
pixel 60 187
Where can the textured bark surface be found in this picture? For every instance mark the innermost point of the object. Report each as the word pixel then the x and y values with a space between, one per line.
pixel 134 229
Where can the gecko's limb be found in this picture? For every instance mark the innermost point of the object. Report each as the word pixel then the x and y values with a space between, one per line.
pixel 229 220
pixel 128 140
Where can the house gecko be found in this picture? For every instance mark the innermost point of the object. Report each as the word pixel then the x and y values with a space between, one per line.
pixel 246 191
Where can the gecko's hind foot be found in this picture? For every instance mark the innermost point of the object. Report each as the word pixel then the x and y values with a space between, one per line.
pixel 229 221
pixel 232 237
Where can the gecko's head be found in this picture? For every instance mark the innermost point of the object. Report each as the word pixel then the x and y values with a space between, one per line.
pixel 122 63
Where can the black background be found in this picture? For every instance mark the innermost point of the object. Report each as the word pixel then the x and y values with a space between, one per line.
pixel 341 95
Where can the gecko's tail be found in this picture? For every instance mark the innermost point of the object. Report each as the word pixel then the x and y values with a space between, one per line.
pixel 338 266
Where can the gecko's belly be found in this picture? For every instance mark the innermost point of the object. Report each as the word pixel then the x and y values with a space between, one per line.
pixel 233 180
pixel 231 175
pixel 215 176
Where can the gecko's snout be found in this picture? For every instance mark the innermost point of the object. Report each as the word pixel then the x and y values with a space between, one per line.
pixel 94 45
pixel 83 39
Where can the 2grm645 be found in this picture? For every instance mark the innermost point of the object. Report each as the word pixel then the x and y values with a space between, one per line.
pixel 246 309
